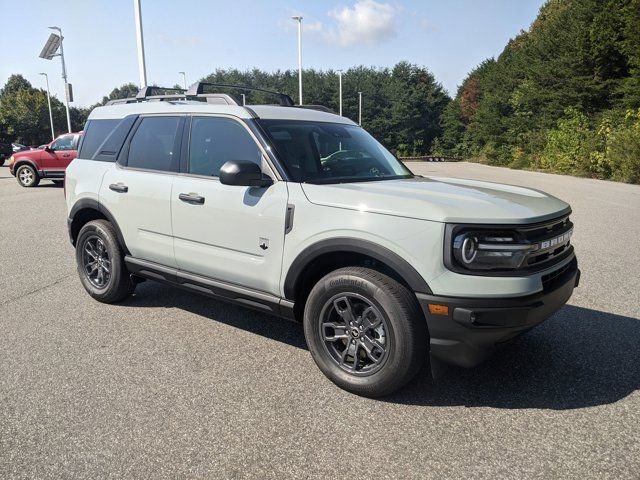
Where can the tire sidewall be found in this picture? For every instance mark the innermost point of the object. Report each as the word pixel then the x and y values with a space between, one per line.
pixel 337 283
pixel 113 249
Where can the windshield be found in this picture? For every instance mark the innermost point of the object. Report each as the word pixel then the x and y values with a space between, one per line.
pixel 331 152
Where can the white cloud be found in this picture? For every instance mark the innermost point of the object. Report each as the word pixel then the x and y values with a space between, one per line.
pixel 367 22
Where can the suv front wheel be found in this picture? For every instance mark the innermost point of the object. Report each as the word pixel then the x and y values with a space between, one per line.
pixel 101 264
pixel 365 331
pixel 27 176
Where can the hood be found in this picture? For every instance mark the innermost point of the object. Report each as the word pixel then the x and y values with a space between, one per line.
pixel 441 199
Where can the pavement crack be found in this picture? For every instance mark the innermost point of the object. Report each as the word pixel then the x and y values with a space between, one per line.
pixel 35 290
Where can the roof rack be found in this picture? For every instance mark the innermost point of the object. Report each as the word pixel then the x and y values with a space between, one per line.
pixel 197 90
pixel 152 92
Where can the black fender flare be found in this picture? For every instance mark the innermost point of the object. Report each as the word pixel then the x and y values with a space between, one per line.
pixel 92 204
pixel 21 161
pixel 347 244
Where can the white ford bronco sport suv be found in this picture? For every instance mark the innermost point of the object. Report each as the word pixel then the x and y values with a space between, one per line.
pixel 301 213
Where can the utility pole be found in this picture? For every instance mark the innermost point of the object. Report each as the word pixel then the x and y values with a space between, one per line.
pixel 184 79
pixel 359 108
pixel 53 133
pixel 142 66
pixel 298 18
pixel 64 77
pixel 340 89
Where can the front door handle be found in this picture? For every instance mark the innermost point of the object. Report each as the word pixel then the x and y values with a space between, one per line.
pixel 66 155
pixel 119 187
pixel 192 198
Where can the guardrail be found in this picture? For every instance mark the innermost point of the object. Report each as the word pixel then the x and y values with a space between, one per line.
pixel 430 158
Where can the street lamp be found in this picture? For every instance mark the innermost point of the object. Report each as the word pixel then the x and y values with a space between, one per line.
pixel 142 65
pixel 184 79
pixel 359 108
pixel 67 90
pixel 53 134
pixel 340 89
pixel 298 18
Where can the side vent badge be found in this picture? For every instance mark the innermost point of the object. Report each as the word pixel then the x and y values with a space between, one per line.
pixel 264 243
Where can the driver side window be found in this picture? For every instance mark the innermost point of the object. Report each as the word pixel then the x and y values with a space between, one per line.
pixel 63 143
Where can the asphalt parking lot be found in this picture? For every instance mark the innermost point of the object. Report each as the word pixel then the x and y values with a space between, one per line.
pixel 173 385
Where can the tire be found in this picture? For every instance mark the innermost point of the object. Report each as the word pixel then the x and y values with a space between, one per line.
pixel 27 176
pixel 385 357
pixel 115 284
pixel 58 183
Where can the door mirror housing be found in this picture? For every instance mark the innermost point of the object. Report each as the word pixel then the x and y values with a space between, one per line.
pixel 243 173
pixel 47 148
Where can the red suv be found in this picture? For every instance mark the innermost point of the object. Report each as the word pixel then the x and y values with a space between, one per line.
pixel 49 162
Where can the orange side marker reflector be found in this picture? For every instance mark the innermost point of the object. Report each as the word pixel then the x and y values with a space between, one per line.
pixel 435 309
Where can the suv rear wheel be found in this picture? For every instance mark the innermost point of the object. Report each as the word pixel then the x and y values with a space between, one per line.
pixel 27 176
pixel 100 262
pixel 365 331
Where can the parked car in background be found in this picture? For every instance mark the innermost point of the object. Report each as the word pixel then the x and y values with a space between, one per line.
pixel 30 166
pixel 6 150
pixel 18 147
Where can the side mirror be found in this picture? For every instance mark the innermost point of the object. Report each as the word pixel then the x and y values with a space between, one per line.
pixel 48 148
pixel 243 173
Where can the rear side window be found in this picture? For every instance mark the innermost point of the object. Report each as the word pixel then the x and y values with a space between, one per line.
pixel 95 133
pixel 155 144
pixel 215 141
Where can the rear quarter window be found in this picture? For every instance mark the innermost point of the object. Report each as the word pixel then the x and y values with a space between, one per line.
pixel 95 133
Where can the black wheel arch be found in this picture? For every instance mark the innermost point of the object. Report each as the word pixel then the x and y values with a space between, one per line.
pixel 360 249
pixel 87 209
pixel 20 162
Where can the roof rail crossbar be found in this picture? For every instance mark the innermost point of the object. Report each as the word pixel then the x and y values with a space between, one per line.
pixel 197 89
pixel 120 101
pixel 154 91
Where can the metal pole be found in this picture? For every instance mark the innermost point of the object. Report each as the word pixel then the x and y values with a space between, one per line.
pixel 244 99
pixel 359 108
pixel 340 89
pixel 299 19
pixel 53 133
pixel 184 79
pixel 142 66
pixel 64 77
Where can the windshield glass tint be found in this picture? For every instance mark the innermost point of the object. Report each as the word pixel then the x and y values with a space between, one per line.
pixel 331 152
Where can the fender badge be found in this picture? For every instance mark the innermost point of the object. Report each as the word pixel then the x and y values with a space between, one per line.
pixel 263 243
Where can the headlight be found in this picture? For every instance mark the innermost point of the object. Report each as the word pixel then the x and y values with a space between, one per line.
pixel 11 160
pixel 489 250
pixel 506 250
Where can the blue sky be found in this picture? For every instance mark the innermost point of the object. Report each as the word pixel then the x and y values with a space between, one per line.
pixel 448 37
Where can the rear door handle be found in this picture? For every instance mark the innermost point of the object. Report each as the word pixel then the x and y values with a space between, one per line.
pixel 119 187
pixel 192 198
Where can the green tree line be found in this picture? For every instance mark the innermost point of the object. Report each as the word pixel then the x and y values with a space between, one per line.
pixel 401 106
pixel 563 96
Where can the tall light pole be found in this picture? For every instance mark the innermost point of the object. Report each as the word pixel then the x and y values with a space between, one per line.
pixel 142 66
pixel 340 89
pixel 359 108
pixel 53 133
pixel 298 18
pixel 64 77
pixel 184 79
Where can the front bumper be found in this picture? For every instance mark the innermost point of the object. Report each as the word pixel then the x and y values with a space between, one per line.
pixel 473 326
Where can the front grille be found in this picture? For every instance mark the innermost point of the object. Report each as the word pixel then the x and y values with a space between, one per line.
pixel 541 234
